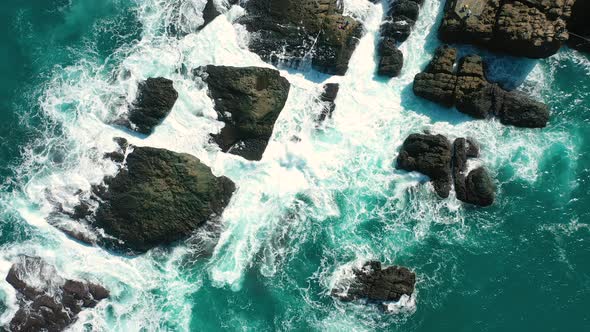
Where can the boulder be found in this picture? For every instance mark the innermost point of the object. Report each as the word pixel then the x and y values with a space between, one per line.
pixel 468 89
pixel 47 301
pixel 248 100
pixel 327 98
pixel 159 198
pixel 392 59
pixel 155 99
pixel 429 155
pixel 479 188
pixel 293 31
pixel 376 284
pixel 531 28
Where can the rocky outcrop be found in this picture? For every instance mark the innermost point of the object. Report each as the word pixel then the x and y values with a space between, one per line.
pixel 48 302
pixel 396 28
pixel 155 99
pixel 433 156
pixel 327 98
pixel 531 28
pixel 579 27
pixel 376 284
pixel 158 198
pixel 248 100
pixel 468 89
pixel 294 31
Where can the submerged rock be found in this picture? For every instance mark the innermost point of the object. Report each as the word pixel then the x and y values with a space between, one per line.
pixel 48 302
pixel 531 28
pixel 293 31
pixel 468 89
pixel 433 156
pixel 248 100
pixel 159 198
pixel 155 99
pixel 376 284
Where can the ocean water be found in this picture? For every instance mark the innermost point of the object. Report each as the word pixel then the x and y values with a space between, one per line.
pixel 313 207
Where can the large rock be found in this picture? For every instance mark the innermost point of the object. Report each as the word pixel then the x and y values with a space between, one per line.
pixel 468 89
pixel 249 101
pixel 377 284
pixel 155 99
pixel 292 31
pixel 480 189
pixel 159 198
pixel 531 28
pixel 579 27
pixel 430 155
pixel 328 98
pixel 47 301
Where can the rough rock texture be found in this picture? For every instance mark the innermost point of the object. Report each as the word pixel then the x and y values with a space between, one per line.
pixel 160 197
pixel 430 155
pixel 327 98
pixel 396 28
pixel 47 301
pixel 377 284
pixel 531 28
pixel 292 31
pixel 579 26
pixel 433 156
pixel 249 101
pixel 469 90
pixel 155 99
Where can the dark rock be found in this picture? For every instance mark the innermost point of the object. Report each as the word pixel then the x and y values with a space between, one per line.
pixel 405 8
pixel 479 187
pixel 375 284
pixel 531 28
pixel 249 101
pixel 159 198
pixel 469 90
pixel 459 166
pixel 579 27
pixel 300 29
pixel 47 301
pixel 392 59
pixel 155 99
pixel 429 155
pixel 398 29
pixel 328 97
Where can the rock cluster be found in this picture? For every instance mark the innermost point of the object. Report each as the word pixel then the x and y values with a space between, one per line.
pixel 396 28
pixel 531 28
pixel 155 99
pixel 48 302
pixel 158 198
pixel 376 284
pixel 294 31
pixel 248 100
pixel 434 156
pixel 468 89
pixel 327 98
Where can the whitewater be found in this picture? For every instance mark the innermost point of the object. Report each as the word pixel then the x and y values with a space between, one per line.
pixel 322 199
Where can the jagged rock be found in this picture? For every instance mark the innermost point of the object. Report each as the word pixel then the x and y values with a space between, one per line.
pixel 430 155
pixel 531 28
pixel 377 284
pixel 155 99
pixel 473 94
pixel 392 59
pixel 295 30
pixel 579 27
pixel 47 301
pixel 159 198
pixel 328 97
pixel 249 101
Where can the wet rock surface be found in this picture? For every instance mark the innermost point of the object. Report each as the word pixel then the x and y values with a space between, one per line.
pixel 159 197
pixel 434 156
pixel 396 28
pixel 48 302
pixel 468 89
pixel 579 26
pixel 327 98
pixel 248 100
pixel 531 28
pixel 155 99
pixel 376 284
pixel 292 31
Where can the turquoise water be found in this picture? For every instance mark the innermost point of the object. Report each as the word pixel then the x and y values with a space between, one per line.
pixel 308 210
